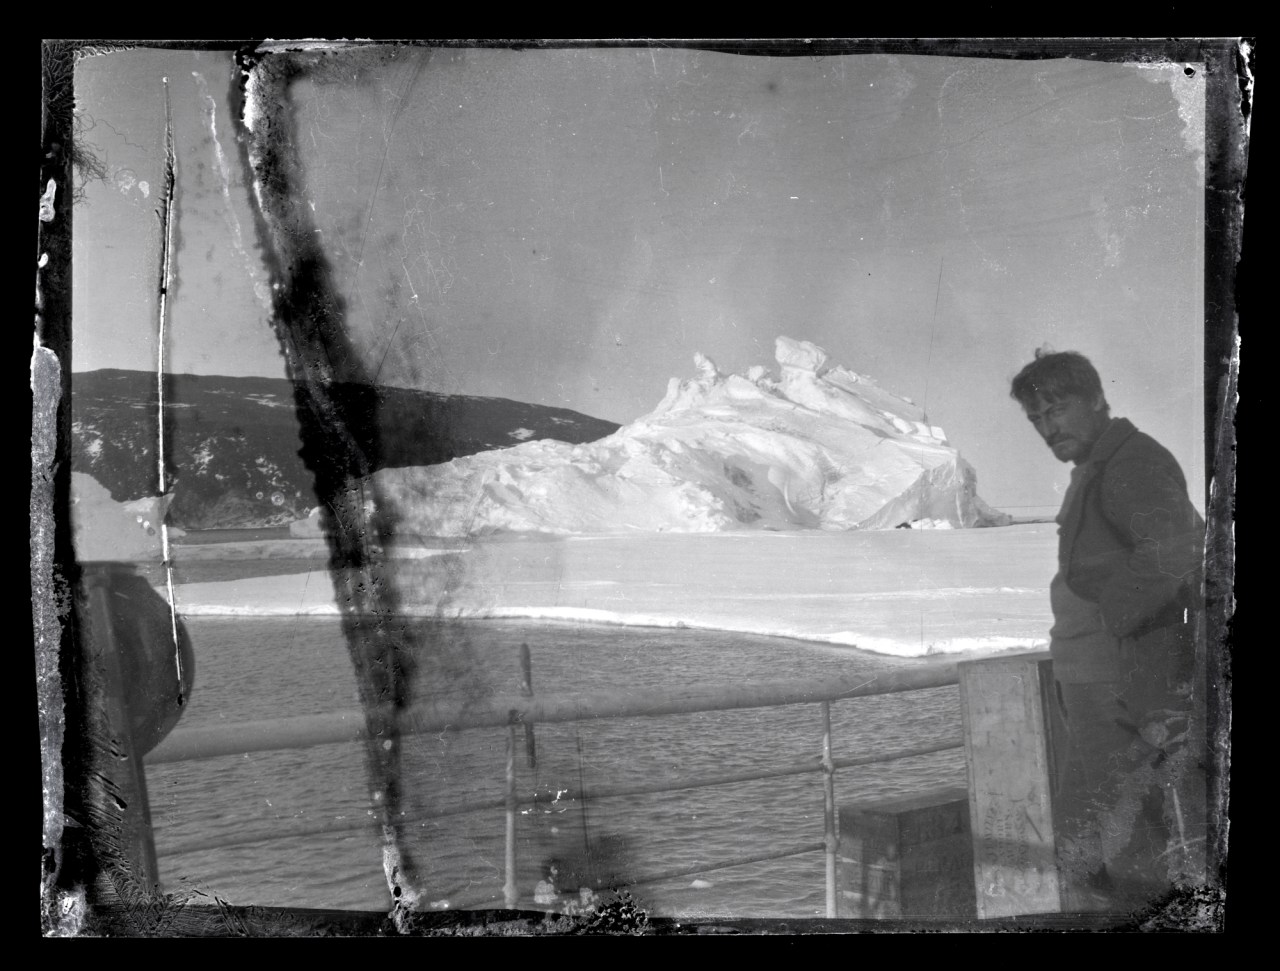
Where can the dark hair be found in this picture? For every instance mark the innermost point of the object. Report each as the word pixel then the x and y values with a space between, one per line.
pixel 1056 374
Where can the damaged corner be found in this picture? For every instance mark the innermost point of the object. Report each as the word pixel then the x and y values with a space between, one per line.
pixel 48 609
pixel 53 575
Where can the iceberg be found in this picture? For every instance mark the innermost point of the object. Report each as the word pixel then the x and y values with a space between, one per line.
pixel 817 446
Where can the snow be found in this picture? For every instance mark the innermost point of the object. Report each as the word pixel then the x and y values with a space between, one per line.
pixel 902 592
pixel 103 529
pixel 309 528
pixel 819 447
pixel 742 502
pixel 200 459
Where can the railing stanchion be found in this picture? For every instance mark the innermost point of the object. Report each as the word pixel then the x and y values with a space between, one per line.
pixel 832 837
pixel 510 896
pixel 523 710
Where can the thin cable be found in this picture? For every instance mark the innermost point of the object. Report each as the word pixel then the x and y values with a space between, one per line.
pixel 932 331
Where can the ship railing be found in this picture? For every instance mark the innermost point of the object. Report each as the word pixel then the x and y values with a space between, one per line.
pixel 516 711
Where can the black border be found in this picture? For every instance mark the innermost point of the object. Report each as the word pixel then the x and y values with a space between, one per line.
pixel 1229 65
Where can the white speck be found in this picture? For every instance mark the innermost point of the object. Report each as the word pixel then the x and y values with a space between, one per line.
pixel 795 197
pixel 145 188
pixel 701 885
pixel 46 201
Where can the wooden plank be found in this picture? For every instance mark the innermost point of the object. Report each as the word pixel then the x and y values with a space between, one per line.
pixel 1010 784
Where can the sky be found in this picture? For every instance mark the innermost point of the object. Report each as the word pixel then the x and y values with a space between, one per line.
pixel 568 227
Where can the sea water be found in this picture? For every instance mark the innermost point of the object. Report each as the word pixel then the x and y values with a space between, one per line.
pixel 301 833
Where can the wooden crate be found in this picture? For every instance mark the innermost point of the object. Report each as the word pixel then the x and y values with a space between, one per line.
pixel 907 857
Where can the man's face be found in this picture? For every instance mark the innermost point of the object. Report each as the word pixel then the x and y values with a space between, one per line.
pixel 1069 424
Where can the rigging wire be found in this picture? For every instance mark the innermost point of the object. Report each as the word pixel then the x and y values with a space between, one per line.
pixel 933 329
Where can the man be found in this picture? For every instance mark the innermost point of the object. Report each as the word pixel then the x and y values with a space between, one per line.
pixel 1129 801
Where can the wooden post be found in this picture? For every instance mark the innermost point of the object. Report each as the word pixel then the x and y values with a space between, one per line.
pixel 1006 742
pixel 526 689
pixel 832 837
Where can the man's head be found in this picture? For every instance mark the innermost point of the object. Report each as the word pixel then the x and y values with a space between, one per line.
pixel 1062 396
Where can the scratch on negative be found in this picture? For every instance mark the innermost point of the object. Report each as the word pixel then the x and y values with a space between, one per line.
pixel 166 255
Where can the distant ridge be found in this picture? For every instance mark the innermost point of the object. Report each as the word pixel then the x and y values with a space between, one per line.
pixel 232 443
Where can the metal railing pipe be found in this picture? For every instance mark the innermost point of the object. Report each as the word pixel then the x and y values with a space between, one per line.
pixel 509 892
pixel 831 838
pixel 946 745
pixel 667 784
pixel 499 710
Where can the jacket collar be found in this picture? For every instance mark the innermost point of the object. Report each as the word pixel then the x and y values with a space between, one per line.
pixel 1069 516
pixel 1112 437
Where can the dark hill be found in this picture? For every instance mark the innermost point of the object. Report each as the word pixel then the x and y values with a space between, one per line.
pixel 231 444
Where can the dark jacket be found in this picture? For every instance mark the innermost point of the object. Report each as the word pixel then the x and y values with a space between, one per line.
pixel 1129 539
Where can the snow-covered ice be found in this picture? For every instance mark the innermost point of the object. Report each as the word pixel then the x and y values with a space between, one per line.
pixel 103 529
pixel 902 592
pixel 741 503
pixel 746 503
pixel 818 447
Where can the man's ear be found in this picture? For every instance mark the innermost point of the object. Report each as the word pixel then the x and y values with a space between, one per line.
pixel 1100 403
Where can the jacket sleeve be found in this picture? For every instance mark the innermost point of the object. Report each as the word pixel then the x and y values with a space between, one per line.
pixel 1147 505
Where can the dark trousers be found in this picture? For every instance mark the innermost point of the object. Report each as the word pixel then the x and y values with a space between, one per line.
pixel 1129 805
